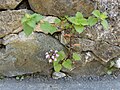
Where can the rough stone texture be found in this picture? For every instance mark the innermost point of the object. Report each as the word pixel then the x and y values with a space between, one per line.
pixel 104 44
pixel 98 45
pixel 58 75
pixel 9 4
pixel 87 66
pixel 101 49
pixel 10 21
pixel 27 54
pixel 21 55
pixel 62 7
pixel 23 5
pixel 91 68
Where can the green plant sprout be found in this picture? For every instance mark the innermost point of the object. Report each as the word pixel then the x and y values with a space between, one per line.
pixel 100 17
pixel 29 22
pixel 60 60
pixel 76 23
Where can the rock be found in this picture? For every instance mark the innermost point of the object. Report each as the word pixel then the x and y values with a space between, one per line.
pixel 27 54
pixel 1 41
pixel 101 49
pixel 93 67
pixel 58 75
pixel 49 19
pixel 62 7
pixel 10 21
pixel 23 5
pixel 103 44
pixel 106 52
pixel 117 63
pixel 9 4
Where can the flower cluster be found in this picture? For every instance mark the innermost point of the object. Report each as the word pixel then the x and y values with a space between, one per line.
pixel 52 55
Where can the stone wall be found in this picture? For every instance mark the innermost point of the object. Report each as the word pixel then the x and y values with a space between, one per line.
pixel 22 55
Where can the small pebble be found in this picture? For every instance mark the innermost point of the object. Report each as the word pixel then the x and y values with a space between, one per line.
pixel 58 75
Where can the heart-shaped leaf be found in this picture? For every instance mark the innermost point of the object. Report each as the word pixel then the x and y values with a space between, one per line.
pixel 57 67
pixel 48 28
pixel 79 29
pixel 67 64
pixel 96 13
pixel 76 56
pixel 79 15
pixel 105 24
pixel 92 21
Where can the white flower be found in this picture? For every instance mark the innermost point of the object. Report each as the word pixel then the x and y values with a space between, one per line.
pixel 46 53
pixel 51 50
pixel 118 63
pixel 47 56
pixel 53 57
pixel 56 51
pixel 57 55
pixel 50 60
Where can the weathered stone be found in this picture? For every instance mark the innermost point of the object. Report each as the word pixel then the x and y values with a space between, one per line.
pixel 106 52
pixel 58 75
pixel 87 69
pixel 9 4
pixel 117 63
pixel 27 54
pixel 62 7
pixel 0 41
pixel 23 5
pixel 10 21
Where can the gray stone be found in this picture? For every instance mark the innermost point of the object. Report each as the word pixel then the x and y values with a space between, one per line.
pixel 10 21
pixel 93 67
pixel 62 7
pixel 58 75
pixel 117 63
pixel 106 52
pixel 27 54
pixel 9 4
pixel 0 41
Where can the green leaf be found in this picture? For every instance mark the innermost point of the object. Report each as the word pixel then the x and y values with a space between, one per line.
pixel 105 24
pixel 36 17
pixel 79 29
pixel 96 13
pixel 31 23
pixel 24 19
pixel 67 64
pixel 79 15
pixel 76 56
pixel 73 20
pixel 48 28
pixel 83 21
pixel 112 64
pixel 27 15
pixel 103 16
pixel 57 67
pixel 61 55
pixel 57 20
pixel 92 21
pixel 27 29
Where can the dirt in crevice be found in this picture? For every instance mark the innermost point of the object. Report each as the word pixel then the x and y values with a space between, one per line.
pixel 23 5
